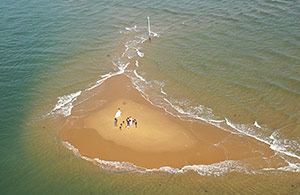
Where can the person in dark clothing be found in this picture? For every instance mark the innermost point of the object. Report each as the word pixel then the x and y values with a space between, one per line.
pixel 116 122
pixel 127 121
pixel 135 122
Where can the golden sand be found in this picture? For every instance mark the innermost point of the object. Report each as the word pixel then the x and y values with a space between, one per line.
pixel 147 136
pixel 160 139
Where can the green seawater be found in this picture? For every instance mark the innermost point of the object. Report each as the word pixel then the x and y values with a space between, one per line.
pixel 216 60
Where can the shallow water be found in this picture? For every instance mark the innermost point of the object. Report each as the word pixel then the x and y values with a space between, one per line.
pixel 233 64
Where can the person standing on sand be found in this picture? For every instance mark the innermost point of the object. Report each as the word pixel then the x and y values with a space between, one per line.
pixel 118 113
pixel 127 123
pixel 135 123
pixel 116 122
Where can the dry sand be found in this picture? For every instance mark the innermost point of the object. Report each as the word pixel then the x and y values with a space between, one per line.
pixel 160 139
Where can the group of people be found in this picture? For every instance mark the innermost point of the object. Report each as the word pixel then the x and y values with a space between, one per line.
pixel 129 121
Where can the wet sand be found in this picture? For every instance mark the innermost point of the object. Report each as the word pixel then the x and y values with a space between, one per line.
pixel 160 139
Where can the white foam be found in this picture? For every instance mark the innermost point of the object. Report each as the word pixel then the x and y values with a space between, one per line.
pixel 216 121
pixel 105 76
pixel 142 38
pixel 138 76
pixel 64 104
pixel 282 145
pixel 275 144
pixel 126 47
pixel 192 111
pixel 216 169
pixel 99 82
pixel 175 107
pixel 257 125
pixel 163 92
pixel 141 54
pixel 123 67
pixel 120 65
pixel 134 28
pixel 291 167
pixel 137 63
pixel 244 129
pixel 154 34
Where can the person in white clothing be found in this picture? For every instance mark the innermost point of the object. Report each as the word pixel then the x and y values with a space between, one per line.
pixel 118 113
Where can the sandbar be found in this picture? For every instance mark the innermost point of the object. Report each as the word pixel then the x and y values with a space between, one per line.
pixel 160 138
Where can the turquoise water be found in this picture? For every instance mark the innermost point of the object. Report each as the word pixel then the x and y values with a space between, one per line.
pixel 234 62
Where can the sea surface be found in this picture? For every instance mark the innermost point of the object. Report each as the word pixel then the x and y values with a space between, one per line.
pixel 233 64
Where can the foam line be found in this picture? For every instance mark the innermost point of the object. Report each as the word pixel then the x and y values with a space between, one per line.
pixel 64 104
pixel 277 145
pixel 132 28
pixel 243 132
pixel 216 121
pixel 138 76
pixel 273 143
pixel 141 54
pixel 154 34
pixel 216 169
pixel 163 92
pixel 121 66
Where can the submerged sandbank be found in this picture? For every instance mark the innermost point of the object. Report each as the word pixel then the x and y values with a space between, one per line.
pixel 160 139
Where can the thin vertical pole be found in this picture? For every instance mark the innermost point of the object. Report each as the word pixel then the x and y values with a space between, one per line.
pixel 148 24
